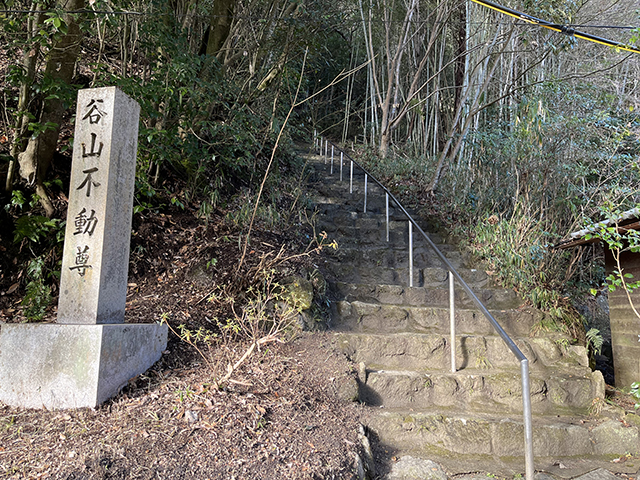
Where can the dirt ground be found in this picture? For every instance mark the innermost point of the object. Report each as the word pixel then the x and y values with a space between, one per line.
pixel 279 417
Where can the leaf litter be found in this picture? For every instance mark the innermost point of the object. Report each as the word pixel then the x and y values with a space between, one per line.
pixel 279 416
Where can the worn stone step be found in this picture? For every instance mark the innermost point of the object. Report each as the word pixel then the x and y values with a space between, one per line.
pixel 341 209
pixel 351 213
pixel 339 189
pixel 329 179
pixel 478 390
pixel 368 317
pixel 350 218
pixel 360 228
pixel 376 243
pixel 390 257
pixel 354 202
pixel 428 269
pixel 389 254
pixel 450 439
pixel 354 238
pixel 400 334
pixel 426 353
pixel 355 223
pixel 494 298
pixel 322 166
pixel 422 277
pixel 331 186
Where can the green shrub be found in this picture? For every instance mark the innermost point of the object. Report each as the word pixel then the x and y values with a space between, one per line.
pixel 38 295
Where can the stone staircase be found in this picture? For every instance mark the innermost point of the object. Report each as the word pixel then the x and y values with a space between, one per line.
pixel 470 420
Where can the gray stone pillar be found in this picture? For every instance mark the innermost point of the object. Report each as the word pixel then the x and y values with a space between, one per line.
pixel 93 282
pixel 90 353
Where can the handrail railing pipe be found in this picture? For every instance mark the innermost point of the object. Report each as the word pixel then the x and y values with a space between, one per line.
pixel 366 178
pixel 331 159
pixel 528 426
pixel 387 211
pixel 351 178
pixel 454 276
pixel 410 254
pixel 452 321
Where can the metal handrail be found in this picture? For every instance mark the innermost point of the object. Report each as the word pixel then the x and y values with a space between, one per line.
pixel 524 362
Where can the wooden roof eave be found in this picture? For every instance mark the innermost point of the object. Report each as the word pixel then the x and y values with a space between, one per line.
pixel 576 242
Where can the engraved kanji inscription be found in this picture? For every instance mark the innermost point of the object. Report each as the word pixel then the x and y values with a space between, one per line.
pixel 92 152
pixel 88 180
pixel 84 224
pixel 95 113
pixel 82 260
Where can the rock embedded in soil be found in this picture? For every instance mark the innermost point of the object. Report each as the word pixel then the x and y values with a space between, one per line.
pixel 409 468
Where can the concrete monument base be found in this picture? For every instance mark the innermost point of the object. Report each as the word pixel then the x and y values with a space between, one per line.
pixel 57 366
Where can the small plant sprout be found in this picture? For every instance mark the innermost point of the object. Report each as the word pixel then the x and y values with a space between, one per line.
pixel 594 341
pixel 635 393
pixel 191 337
pixel 212 263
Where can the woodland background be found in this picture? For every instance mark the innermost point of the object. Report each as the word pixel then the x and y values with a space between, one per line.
pixel 509 134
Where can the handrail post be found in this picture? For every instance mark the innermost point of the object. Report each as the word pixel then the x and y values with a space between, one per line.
pixel 341 161
pixel 351 179
pixel 452 321
pixel 365 192
pixel 387 209
pixel 528 428
pixel 410 253
pixel 326 148
pixel 331 159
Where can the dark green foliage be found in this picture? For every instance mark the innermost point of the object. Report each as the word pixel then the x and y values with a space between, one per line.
pixel 635 392
pixel 38 295
pixel 38 229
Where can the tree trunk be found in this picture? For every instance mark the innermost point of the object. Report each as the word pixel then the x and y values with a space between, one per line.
pixel 34 161
pixel 462 120
pixel 29 61
pixel 219 25
pixel 291 11
pixel 460 32
pixel 389 105
pixel 391 120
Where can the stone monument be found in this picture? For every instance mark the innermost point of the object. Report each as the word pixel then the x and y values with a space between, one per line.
pixel 90 353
